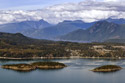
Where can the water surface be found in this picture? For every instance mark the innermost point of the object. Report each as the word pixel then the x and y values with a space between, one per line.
pixel 76 72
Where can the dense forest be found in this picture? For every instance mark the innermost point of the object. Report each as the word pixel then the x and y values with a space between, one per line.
pixel 20 46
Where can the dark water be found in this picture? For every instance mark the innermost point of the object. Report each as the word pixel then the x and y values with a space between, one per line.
pixel 76 72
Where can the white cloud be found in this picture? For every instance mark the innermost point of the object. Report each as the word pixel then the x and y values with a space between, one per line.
pixel 113 0
pixel 88 11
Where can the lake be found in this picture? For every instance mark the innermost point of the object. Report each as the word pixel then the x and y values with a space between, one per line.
pixel 76 72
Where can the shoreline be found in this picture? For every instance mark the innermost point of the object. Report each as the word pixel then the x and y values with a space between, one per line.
pixel 33 58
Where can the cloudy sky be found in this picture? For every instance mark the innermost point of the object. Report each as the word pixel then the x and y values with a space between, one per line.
pixel 55 11
pixel 30 4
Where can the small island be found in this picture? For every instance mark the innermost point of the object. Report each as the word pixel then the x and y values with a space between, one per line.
pixel 35 65
pixel 107 68
pixel 48 65
pixel 19 67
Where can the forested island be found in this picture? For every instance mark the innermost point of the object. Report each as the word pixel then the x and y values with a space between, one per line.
pixel 18 46
pixel 107 68
pixel 34 66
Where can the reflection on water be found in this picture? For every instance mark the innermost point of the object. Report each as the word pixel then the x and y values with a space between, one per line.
pixel 76 72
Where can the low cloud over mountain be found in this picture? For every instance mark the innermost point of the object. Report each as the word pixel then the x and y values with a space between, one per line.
pixel 88 11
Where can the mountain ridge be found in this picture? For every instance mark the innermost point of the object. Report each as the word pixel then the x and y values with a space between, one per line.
pixel 100 31
pixel 23 26
pixel 43 30
pixel 61 28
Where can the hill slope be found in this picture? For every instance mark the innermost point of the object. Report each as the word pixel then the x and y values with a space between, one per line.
pixel 20 39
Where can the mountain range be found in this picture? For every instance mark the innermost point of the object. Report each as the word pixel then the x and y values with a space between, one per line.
pixel 42 29
pixel 61 28
pixel 23 26
pixel 76 30
pixel 100 31
pixel 117 21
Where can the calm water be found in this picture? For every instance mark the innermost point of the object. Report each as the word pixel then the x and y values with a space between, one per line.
pixel 76 72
